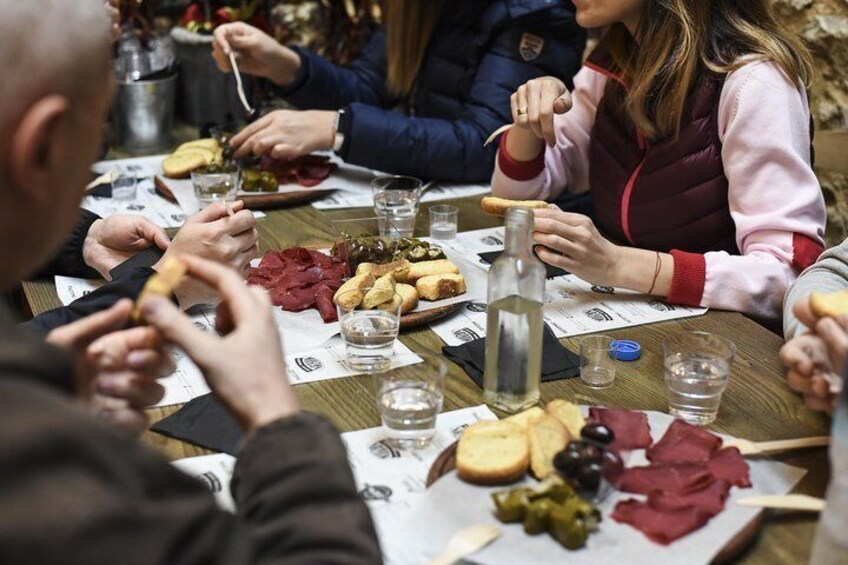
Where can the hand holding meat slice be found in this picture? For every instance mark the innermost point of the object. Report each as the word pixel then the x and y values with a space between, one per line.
pixel 287 134
pixel 244 366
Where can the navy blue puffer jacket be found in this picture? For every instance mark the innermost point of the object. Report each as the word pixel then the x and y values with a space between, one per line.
pixel 481 51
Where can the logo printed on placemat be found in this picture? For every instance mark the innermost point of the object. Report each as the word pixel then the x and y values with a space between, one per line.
pixel 531 46
pixel 308 364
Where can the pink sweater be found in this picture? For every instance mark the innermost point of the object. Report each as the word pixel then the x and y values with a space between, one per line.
pixel 774 197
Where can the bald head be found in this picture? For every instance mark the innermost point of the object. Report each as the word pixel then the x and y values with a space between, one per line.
pixel 54 95
pixel 49 47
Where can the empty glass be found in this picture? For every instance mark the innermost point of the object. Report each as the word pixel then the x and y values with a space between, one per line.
pixel 369 335
pixel 213 187
pixel 443 221
pixel 597 366
pixel 409 400
pixel 396 200
pixel 697 369
pixel 124 187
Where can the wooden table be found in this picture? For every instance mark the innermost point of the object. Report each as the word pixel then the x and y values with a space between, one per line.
pixel 757 404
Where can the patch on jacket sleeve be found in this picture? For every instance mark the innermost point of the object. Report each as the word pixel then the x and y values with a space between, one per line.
pixel 531 46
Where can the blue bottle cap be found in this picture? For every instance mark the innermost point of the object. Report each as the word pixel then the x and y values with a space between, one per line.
pixel 625 350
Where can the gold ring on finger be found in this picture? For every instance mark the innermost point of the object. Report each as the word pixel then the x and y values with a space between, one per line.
pixel 522 111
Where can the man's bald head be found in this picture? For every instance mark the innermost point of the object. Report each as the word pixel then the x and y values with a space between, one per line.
pixel 54 95
pixel 49 47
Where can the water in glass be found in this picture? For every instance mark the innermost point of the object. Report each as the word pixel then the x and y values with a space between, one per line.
pixel 695 384
pixel 409 410
pixel 396 211
pixel 369 337
pixel 443 230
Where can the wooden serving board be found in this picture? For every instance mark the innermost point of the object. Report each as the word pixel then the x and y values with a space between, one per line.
pixel 418 319
pixel 258 201
pixel 446 462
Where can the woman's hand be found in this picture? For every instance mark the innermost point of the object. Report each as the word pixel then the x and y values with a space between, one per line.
pixel 258 53
pixel 287 134
pixel 535 103
pixel 111 241
pixel 572 242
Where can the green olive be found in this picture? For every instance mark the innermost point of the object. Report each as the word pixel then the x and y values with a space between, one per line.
pixel 537 516
pixel 511 505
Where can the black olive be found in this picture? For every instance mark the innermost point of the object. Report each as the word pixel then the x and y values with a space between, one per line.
pixel 598 434
pixel 567 461
pixel 612 466
pixel 589 476
pixel 590 454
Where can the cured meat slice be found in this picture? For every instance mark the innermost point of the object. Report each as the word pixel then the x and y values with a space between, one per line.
pixel 308 170
pixel 729 465
pixel 675 478
pixel 326 306
pixel 684 443
pixel 662 527
pixel 630 427
pixel 710 499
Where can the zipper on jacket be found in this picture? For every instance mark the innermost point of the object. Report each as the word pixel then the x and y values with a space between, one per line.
pixel 643 145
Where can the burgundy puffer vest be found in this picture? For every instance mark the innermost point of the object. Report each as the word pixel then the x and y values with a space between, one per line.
pixel 661 195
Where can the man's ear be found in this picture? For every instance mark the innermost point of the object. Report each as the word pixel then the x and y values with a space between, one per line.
pixel 35 146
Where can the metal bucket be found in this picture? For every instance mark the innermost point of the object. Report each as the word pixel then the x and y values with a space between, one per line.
pixel 143 115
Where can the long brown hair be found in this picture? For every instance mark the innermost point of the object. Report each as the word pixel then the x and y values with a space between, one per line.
pixel 680 39
pixel 409 25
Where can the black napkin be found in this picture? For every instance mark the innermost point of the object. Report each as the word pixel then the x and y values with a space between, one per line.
pixel 550 271
pixel 146 258
pixel 205 422
pixel 558 362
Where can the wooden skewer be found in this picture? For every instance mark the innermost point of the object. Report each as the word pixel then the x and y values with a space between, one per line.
pixel 747 447
pixel 239 84
pixel 785 502
pixel 497 132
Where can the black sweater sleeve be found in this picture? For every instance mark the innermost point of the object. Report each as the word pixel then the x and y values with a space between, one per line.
pixel 69 261
pixel 104 297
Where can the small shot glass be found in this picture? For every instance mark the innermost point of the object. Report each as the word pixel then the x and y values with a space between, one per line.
pixel 211 187
pixel 597 367
pixel 443 221
pixel 409 400
pixel 124 187
pixel 369 335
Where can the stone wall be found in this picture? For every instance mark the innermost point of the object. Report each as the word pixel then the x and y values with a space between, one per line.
pixel 824 26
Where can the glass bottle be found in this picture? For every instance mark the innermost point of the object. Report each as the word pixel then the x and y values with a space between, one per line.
pixel 514 324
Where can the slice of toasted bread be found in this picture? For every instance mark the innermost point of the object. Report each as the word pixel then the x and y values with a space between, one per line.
pixel 829 305
pixel 162 283
pixel 399 269
pixel 409 294
pixel 524 419
pixel 180 166
pixel 427 268
pixel 351 293
pixel 546 437
pixel 568 414
pixel 381 292
pixel 492 453
pixel 439 287
pixel 207 143
pixel 498 206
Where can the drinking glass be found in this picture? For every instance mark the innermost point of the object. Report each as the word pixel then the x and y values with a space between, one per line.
pixel 443 221
pixel 213 187
pixel 369 335
pixel 124 187
pixel 396 202
pixel 409 400
pixel 597 366
pixel 697 368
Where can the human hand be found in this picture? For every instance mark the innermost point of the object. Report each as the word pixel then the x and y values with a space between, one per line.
pixel 287 134
pixel 113 240
pixel 535 103
pixel 834 333
pixel 809 371
pixel 572 242
pixel 258 53
pixel 215 235
pixel 115 370
pixel 244 365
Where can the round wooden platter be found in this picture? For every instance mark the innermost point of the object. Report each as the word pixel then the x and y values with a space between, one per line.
pixel 259 201
pixel 414 320
pixel 446 462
